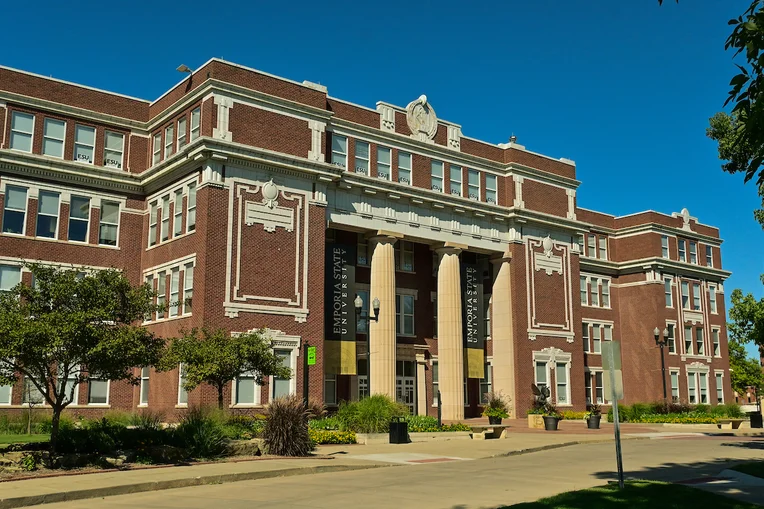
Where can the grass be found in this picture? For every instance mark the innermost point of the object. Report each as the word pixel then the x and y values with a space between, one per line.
pixel 637 495
pixel 754 468
pixel 23 439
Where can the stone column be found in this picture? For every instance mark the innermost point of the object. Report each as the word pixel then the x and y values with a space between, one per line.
pixel 421 386
pixel 450 340
pixel 502 335
pixel 382 333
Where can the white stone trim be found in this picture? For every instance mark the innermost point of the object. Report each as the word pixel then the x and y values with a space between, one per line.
pixel 224 105
pixel 518 180
pixel 561 250
pixel 552 356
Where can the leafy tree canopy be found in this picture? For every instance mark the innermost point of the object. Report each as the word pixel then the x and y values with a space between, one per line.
pixel 72 325
pixel 746 326
pixel 745 372
pixel 215 357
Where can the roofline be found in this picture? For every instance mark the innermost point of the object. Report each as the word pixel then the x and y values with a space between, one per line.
pixel 50 78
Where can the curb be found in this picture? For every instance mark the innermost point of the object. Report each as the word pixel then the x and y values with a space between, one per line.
pixel 556 446
pixel 125 489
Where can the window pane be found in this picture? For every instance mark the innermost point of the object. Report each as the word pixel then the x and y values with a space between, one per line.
pixel 5 394
pixel 16 198
pixel 48 203
pixel 79 207
pixel 23 122
pixel 245 391
pixel 9 277
pixel 84 135
pixel 98 392
pixel 110 212
pixel 541 373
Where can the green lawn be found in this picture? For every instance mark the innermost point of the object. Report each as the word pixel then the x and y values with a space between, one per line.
pixel 23 439
pixel 755 468
pixel 637 495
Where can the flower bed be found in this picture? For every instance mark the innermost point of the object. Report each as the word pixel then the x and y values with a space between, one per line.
pixel 331 437
pixel 675 413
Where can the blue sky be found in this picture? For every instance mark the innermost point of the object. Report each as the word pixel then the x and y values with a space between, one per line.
pixel 623 88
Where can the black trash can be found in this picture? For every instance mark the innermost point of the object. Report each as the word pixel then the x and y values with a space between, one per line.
pixel 399 431
pixel 756 419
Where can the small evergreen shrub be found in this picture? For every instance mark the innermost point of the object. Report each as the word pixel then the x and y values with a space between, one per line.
pixel 286 428
pixel 570 415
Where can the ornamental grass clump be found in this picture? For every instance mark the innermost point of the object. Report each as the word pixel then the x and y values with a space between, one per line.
pixel 201 434
pixel 286 427
pixel 370 415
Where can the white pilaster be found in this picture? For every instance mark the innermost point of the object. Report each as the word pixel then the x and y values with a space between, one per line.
pixel 316 147
pixel 224 105
pixel 519 203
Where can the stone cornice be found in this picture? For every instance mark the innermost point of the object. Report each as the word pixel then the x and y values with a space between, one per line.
pixel 652 263
pixel 652 227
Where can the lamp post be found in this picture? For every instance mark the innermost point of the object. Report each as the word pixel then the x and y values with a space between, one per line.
pixel 661 342
pixel 358 303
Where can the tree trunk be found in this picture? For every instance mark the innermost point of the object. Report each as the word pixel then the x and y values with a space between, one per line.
pixel 220 396
pixel 54 425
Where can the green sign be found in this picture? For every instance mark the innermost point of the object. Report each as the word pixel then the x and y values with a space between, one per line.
pixel 311 356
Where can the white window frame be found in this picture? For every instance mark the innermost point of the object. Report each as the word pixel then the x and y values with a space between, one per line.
pixel 685 293
pixel 293 353
pixel 119 162
pixel 73 374
pixel 712 304
pixel 108 393
pixel 553 357
pixel 83 144
pixel 191 207
pixel 46 136
pixel 668 291
pixel 591 243
pixel 181 138
pixel 8 401
pixel 177 216
pixel 174 292
pixel 604 285
pixel 671 339
pixel 164 234
pixel 602 244
pixel 716 342
pixel 161 293
pixel 400 295
pixel 693 252
pixel 339 157
pixel 157 149
pixel 473 191
pixel 103 223
pixel 402 251
pixel 664 246
pixel 689 342
pixel 486 383
pixel 596 336
pixel 41 214
pixel 700 341
pixel 257 397
pixel 436 176
pixel 23 134
pixel 196 123
pixel 594 294
pixel 362 165
pixel 188 288
pixel 149 280
pixel 586 336
pixel 24 212
pixel 384 168
pixel 145 378
pixel 719 385
pixel 405 158
pixel 455 178
pixel 682 250
pixel 584 288
pixel 153 222
pixel 709 256
pixel 435 380
pixel 675 395
pixel 696 304
pixel 181 390
pixel 491 189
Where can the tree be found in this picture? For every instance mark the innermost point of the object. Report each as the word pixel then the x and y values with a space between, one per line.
pixel 745 372
pixel 71 326
pixel 215 357
pixel 746 326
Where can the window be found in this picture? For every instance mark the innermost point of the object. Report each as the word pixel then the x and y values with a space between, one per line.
pixel 157 148
pixel 84 144
pixel 719 388
pixel 109 223
pixel 682 251
pixel 32 395
pixel 561 378
pixel 599 387
pixel 182 392
pixel 675 385
pixel 282 386
pixel 22 131
pixel 404 168
pixel 715 341
pixel 693 252
pixel 436 176
pixel 486 383
pixel 435 383
pixel 5 394
pixel 165 217
pixel 605 293
pixel 169 140
pixel 384 163
pixel 596 395
pixel 671 339
pixel 188 287
pixel 361 157
pixel 362 321
pixel 145 371
pixel 596 338
pixel 113 149
pixel 174 291
pixel 685 295
pixel 688 340
pixel 603 248
pixel 404 315
pixel 490 189
pixel 181 133
pixel 712 298
pixel 47 215
pixel 14 215
pixel 696 297
pixel 404 256
pixel 196 115
pixel 150 283
pixel 362 251
pixel 191 204
pixel 703 385
pixel 667 291
pixel 595 295
pixel 9 277
pixel 585 337
pixel 53 135
pixel 98 392
pixel 153 224
pixel 79 218
pixel 592 243
pixel 691 388
pixel 177 219
pixel 247 392
pixel 339 150
pixel 709 256
pixel 542 380
pixel 330 389
pixel 581 244
pixel 161 293
pixel 664 246
pixel 70 385
pixel 607 333
pixel 584 291
pixel 455 180
pixel 701 350
pixel 473 185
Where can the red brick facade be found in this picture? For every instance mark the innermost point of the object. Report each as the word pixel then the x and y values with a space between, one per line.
pixel 261 173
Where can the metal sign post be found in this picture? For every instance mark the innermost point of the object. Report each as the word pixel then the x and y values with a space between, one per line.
pixel 611 357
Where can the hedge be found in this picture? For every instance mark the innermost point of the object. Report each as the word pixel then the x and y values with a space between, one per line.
pixel 331 437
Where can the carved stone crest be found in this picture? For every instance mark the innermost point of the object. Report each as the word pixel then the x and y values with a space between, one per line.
pixel 270 193
pixel 421 119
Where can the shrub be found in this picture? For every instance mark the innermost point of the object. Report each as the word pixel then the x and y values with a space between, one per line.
pixel 201 434
pixel 120 417
pixel 457 426
pixel 570 415
pixel 45 424
pixel 244 427
pixel 286 428
pixel 702 409
pixel 496 405
pixel 728 410
pixel 422 423
pixel 316 409
pixel 331 437
pixel 370 415
pixel 327 423
pixel 148 420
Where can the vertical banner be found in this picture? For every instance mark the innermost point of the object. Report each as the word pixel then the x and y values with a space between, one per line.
pixel 473 316
pixel 339 310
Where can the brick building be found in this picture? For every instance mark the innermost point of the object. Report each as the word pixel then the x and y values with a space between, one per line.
pixel 244 195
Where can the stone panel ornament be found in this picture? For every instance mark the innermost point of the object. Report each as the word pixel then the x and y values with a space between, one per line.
pixel 421 119
pixel 269 214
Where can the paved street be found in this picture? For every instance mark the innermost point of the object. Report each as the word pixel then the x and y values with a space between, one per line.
pixel 461 483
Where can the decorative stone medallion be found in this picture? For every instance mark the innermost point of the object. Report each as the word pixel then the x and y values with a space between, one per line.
pixel 270 193
pixel 421 119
